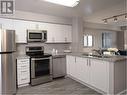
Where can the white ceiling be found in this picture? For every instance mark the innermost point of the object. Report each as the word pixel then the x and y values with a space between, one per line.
pixel 90 10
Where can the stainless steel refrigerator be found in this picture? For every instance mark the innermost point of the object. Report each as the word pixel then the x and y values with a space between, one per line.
pixel 7 62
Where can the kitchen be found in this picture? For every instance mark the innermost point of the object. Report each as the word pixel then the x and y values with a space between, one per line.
pixel 71 40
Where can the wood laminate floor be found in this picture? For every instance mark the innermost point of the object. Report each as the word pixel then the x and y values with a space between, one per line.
pixel 64 86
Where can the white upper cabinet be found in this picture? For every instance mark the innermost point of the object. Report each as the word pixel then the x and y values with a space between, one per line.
pixel 7 23
pixel 21 31
pixel 56 33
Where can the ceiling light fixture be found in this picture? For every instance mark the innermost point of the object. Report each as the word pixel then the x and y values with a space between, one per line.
pixel 115 18
pixel 68 3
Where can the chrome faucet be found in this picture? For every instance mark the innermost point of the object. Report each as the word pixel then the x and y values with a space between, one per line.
pixel 98 51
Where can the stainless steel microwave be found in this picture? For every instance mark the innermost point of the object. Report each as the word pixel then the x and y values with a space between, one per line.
pixel 36 35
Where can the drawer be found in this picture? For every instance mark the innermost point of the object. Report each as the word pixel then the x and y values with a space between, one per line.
pixel 23 80
pixel 23 61
pixel 23 76
pixel 23 66
pixel 23 73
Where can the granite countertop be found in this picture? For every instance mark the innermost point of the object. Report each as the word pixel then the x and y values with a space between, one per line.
pixel 23 56
pixel 60 54
pixel 109 58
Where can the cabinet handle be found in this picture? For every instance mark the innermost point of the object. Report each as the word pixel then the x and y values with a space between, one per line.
pixel 89 62
pixel 65 39
pixel 75 59
pixel 24 61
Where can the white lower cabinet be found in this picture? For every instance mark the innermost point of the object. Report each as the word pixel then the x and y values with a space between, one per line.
pixel 71 65
pixel 23 72
pixel 91 71
pixel 99 74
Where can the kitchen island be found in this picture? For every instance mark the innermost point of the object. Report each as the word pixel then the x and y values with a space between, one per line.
pixel 104 74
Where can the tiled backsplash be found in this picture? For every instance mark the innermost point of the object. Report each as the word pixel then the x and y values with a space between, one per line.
pixel 48 47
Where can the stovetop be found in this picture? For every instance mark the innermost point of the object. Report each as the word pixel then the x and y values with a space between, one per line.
pixel 40 55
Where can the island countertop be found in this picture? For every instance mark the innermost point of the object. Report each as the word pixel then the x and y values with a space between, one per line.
pixel 109 58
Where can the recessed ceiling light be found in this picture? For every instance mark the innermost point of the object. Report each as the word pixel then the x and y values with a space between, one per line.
pixel 68 3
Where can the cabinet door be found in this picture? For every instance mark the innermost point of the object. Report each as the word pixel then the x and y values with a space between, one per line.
pixel 32 25
pixel 7 23
pixel 99 74
pixel 21 31
pixel 71 66
pixel 83 69
pixel 68 33
pixel 59 67
pixel 58 33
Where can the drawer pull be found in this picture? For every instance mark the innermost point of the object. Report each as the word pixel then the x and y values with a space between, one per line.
pixel 24 79
pixel 24 71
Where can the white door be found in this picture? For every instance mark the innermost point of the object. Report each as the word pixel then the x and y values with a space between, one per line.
pixel 99 74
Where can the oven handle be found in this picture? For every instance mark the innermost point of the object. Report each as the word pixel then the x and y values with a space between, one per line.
pixel 33 59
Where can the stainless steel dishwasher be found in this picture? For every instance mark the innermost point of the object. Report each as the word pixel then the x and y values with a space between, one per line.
pixel 59 66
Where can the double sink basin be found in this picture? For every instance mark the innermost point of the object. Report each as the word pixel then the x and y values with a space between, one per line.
pixel 96 56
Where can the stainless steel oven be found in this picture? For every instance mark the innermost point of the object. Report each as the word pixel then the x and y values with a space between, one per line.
pixel 36 35
pixel 41 65
pixel 41 70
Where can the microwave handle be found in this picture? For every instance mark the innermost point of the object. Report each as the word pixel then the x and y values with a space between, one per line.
pixel 42 36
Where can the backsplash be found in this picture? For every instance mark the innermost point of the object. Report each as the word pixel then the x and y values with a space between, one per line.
pixel 48 47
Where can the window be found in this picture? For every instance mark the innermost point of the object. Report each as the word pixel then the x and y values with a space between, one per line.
pixel 106 40
pixel 88 40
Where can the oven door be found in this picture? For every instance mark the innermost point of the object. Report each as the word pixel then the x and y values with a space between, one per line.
pixel 41 67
